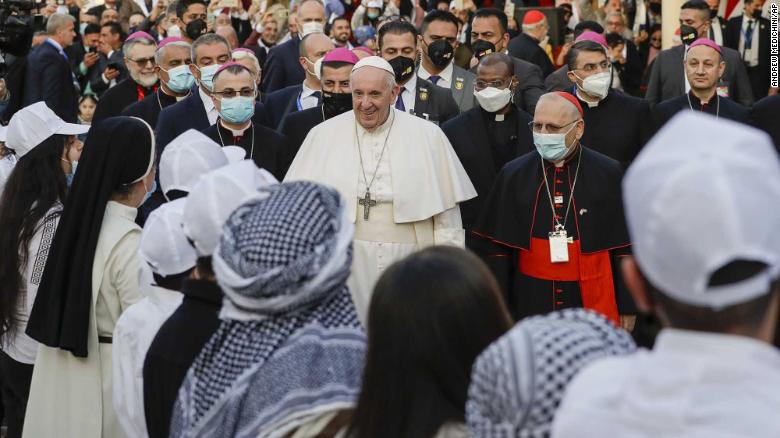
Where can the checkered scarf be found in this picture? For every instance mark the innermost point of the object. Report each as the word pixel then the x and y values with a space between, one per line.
pixel 518 382
pixel 297 348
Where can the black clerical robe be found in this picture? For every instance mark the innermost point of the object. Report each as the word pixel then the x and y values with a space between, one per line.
pixel 720 106
pixel 119 97
pixel 262 145
pixel 149 108
pixel 174 348
pixel 618 127
pixel 484 145
pixel 517 218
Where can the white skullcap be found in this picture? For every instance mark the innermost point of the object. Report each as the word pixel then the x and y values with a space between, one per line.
pixel 374 61
pixel 215 196
pixel 33 124
pixel 164 246
pixel 187 158
pixel 700 195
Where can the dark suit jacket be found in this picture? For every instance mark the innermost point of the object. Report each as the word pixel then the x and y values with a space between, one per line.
pixel 667 77
pixel 295 127
pixel 76 54
pixel 527 48
pixel 281 68
pixel 117 98
pixel 764 116
pixel 49 78
pixel 149 108
pixel 462 88
pixel 722 23
pixel 280 103
pixel 268 148
pixel 471 142
pixel 761 77
pixel 96 82
pixel 179 117
pixel 630 73
pixel 559 80
pixel 530 85
pixel 434 103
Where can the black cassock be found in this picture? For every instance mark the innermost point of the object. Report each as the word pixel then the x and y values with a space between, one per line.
pixel 149 108
pixel 618 127
pixel 262 145
pixel 517 218
pixel 721 106
pixel 484 145
pixel 119 97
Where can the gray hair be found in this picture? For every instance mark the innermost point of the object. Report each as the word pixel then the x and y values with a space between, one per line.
pixel 207 40
pixel 129 45
pixel 160 54
pixel 616 14
pixel 57 21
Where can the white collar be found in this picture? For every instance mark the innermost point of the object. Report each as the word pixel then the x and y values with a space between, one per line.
pixel 206 99
pixel 306 91
pixel 445 74
pixel 236 132
pixel 589 103
pixel 411 85
pixel 56 45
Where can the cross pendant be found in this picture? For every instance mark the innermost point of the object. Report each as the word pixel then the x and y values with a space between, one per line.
pixel 367 203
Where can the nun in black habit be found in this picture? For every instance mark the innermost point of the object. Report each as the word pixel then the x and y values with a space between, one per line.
pixel 90 278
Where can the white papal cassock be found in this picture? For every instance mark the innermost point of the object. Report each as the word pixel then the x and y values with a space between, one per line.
pixel 418 185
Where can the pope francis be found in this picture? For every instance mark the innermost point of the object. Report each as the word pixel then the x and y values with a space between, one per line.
pixel 398 174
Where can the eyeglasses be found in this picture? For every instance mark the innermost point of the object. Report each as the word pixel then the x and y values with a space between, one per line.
pixel 229 94
pixel 550 128
pixel 481 85
pixel 143 62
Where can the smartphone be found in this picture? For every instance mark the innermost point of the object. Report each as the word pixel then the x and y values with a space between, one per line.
pixel 568 38
pixel 114 65
pixel 92 50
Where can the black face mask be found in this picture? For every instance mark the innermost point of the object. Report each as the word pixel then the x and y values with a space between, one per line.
pixel 403 68
pixel 195 29
pixel 655 8
pixel 688 34
pixel 334 104
pixel 482 48
pixel 440 52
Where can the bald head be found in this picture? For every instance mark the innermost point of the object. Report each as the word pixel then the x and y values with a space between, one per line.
pixel 556 103
pixel 315 46
pixel 229 34
pixel 311 10
pixel 498 60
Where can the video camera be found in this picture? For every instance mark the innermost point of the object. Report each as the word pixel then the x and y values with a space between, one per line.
pixel 17 25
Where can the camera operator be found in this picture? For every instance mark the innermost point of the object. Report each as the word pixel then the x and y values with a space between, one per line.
pixel 84 55
pixel 110 68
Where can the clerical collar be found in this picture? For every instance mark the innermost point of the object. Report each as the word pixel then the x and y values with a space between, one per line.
pixel 697 102
pixel 589 103
pixel 236 132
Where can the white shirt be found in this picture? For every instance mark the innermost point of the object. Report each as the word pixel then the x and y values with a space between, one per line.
pixel 408 92
pixel 749 54
pixel 717 32
pixel 21 347
pixel 134 332
pixel 692 384
pixel 445 75
pixel 307 99
pixel 208 105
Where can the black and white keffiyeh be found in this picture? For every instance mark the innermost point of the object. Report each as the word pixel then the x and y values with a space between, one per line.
pixel 518 382
pixel 296 347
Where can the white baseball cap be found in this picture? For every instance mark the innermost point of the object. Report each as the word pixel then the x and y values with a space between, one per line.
pixel 215 196
pixel 704 193
pixel 33 124
pixel 188 157
pixel 374 4
pixel 164 246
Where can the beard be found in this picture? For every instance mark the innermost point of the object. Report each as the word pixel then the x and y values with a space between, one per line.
pixel 144 79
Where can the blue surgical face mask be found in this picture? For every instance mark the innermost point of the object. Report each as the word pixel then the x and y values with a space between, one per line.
pixel 552 147
pixel 207 75
pixel 180 78
pixel 150 192
pixel 237 109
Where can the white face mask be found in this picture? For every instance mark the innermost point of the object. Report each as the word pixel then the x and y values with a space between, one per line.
pixel 544 41
pixel 597 85
pixel 174 31
pixel 311 27
pixel 493 99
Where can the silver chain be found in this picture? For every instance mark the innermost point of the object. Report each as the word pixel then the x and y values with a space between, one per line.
pixel 558 225
pixel 381 155
pixel 251 150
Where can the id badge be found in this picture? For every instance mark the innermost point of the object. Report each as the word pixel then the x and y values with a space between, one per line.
pixel 559 247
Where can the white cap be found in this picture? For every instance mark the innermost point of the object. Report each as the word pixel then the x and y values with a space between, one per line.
pixel 702 194
pixel 188 157
pixel 33 124
pixel 215 196
pixel 374 61
pixel 164 246
pixel 374 4
pixel 234 154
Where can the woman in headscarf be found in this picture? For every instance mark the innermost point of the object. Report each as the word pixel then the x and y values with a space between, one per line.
pixel 287 356
pixel 29 213
pixel 430 316
pixel 91 277
pixel 518 382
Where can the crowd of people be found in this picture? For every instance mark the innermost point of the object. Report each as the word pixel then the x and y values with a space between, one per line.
pixel 390 218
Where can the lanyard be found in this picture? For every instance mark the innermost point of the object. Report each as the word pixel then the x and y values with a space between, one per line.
pixel 558 225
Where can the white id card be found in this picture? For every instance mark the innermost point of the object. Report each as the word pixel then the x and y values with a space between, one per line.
pixel 559 248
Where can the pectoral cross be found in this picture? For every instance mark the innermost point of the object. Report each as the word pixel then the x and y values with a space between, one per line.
pixel 367 203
